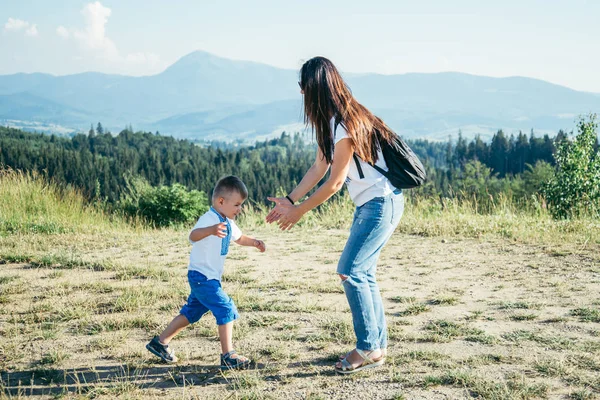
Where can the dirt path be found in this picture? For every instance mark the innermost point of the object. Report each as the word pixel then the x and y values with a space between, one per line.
pixel 467 318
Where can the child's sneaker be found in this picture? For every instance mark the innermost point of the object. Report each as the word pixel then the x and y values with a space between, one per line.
pixel 232 360
pixel 160 350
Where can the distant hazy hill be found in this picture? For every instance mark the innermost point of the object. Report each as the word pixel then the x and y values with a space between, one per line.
pixel 26 106
pixel 202 95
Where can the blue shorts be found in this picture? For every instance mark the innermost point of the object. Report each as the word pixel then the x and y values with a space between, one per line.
pixel 208 295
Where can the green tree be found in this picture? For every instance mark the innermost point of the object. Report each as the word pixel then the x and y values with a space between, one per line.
pixel 476 180
pixel 499 152
pixel 536 176
pixel 575 189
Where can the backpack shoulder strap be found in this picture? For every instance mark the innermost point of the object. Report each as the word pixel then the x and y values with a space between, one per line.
pixel 356 161
pixel 358 167
pixel 376 167
pixel 381 170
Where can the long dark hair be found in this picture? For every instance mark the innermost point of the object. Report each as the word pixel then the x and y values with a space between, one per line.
pixel 326 96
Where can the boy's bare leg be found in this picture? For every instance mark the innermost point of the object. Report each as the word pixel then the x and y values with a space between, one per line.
pixel 178 323
pixel 226 337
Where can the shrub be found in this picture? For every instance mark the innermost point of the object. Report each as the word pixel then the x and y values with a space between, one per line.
pixel 575 189
pixel 163 205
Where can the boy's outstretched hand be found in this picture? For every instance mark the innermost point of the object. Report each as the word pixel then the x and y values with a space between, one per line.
pixel 219 230
pixel 260 245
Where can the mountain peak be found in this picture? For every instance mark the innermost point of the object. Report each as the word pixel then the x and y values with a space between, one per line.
pixel 204 60
pixel 196 59
pixel 198 55
pixel 230 96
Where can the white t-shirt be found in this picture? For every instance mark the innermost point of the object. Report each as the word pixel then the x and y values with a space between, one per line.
pixel 373 184
pixel 205 256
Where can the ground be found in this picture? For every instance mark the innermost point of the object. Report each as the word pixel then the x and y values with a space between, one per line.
pixel 468 318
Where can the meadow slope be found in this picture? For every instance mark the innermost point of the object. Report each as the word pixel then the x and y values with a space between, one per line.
pixel 489 317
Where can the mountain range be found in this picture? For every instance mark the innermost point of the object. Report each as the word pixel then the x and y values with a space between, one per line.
pixel 203 96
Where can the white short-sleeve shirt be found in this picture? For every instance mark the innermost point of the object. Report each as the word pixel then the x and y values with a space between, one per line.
pixel 205 256
pixel 373 184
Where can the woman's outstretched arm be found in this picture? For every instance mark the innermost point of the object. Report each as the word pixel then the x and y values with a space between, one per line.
pixel 314 174
pixel 290 215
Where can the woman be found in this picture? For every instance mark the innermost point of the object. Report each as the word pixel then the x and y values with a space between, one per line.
pixel 343 128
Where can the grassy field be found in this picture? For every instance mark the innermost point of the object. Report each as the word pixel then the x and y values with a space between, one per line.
pixel 499 306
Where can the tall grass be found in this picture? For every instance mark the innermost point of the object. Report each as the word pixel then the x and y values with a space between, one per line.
pixel 463 216
pixel 501 217
pixel 29 204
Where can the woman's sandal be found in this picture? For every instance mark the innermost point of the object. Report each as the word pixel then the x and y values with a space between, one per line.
pixel 237 362
pixel 367 363
pixel 383 354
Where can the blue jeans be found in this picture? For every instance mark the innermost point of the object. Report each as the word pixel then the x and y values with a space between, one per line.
pixel 373 224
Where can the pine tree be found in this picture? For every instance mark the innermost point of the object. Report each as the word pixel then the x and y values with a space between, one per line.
pixel 499 152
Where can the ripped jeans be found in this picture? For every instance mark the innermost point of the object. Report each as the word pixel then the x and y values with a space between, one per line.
pixel 373 224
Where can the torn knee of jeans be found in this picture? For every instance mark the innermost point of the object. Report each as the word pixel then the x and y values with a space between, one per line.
pixel 343 277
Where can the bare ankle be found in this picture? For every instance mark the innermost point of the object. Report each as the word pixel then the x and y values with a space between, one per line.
pixel 162 341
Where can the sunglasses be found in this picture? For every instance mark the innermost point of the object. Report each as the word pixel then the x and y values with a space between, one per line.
pixel 300 84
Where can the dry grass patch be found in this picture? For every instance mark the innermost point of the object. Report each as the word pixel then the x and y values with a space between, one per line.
pixel 78 306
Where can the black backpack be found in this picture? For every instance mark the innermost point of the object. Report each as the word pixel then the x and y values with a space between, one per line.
pixel 405 170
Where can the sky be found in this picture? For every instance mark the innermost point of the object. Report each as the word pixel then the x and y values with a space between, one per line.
pixel 552 40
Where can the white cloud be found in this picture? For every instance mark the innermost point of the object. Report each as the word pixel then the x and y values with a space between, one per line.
pixel 17 25
pixel 62 32
pixel 94 37
pixel 32 31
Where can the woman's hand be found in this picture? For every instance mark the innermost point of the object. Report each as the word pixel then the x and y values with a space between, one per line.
pixel 287 214
pixel 274 214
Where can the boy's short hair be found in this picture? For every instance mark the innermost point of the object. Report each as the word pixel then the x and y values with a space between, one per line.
pixel 229 184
